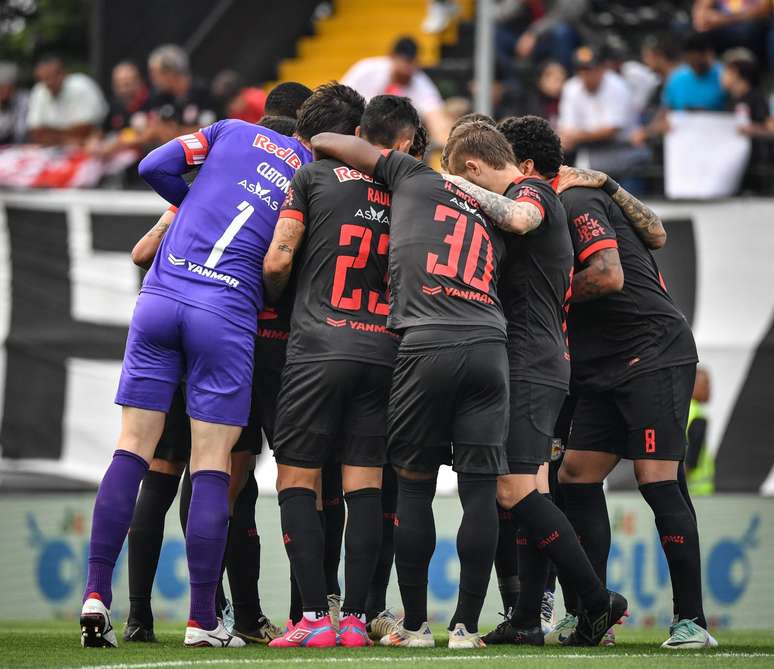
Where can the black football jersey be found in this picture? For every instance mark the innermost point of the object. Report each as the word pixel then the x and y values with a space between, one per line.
pixel 535 289
pixel 340 274
pixel 445 254
pixel 638 330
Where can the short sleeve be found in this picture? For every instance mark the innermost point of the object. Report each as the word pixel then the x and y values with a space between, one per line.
pixel 393 167
pixel 296 203
pixel 529 193
pixel 590 227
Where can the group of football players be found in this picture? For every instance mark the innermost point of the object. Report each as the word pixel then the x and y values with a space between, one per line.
pixel 316 280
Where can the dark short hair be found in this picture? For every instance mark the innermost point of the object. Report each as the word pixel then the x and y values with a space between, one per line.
pixel 49 57
pixel 386 118
pixel 286 99
pixel 533 138
pixel 665 44
pixel 284 125
pixel 747 69
pixel 697 43
pixel 421 142
pixel 331 107
pixel 477 139
pixel 405 47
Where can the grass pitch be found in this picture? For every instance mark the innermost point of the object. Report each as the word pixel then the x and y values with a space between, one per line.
pixel 56 644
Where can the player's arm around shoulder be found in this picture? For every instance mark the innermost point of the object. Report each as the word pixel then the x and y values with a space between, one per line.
pixel 646 223
pixel 519 217
pixel 145 249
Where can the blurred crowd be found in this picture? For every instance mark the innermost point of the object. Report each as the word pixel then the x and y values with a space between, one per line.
pixel 69 110
pixel 607 74
pixel 609 98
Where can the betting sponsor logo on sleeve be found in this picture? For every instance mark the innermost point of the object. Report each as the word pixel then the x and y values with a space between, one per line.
pixel 588 227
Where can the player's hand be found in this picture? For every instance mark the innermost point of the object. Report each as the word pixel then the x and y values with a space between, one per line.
pixel 574 177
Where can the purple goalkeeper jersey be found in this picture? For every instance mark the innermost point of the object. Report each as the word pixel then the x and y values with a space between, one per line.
pixel 212 257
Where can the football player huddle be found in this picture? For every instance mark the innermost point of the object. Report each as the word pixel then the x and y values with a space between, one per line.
pixel 316 281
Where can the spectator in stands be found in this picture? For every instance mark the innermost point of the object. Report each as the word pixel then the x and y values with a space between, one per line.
pixel 555 35
pixel 399 74
pixel 179 103
pixel 540 99
pixel 695 85
pixel 596 117
pixel 130 100
pixel 662 55
pixel 741 80
pixel 642 81
pixel 235 100
pixel 734 23
pixel 13 106
pixel 64 108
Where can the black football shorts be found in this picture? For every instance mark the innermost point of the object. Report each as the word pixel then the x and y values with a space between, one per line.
pixel 175 442
pixel 642 419
pixel 332 408
pixel 449 405
pixel 534 411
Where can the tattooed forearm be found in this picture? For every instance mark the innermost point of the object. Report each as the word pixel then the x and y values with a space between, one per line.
pixel 518 217
pixel 573 177
pixel 644 220
pixel 278 262
pixel 159 230
pixel 603 276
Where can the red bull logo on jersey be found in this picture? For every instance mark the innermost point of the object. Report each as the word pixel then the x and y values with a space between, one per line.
pixel 285 153
pixel 345 173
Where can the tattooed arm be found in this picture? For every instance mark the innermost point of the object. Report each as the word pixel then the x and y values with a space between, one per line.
pixel 643 219
pixel 601 276
pixel 518 217
pixel 278 262
pixel 145 250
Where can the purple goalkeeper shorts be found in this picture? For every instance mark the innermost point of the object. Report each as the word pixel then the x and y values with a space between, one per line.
pixel 169 341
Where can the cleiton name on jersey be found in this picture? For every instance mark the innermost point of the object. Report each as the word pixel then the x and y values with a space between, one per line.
pixel 287 154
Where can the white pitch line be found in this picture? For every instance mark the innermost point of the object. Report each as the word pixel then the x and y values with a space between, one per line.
pixel 421 658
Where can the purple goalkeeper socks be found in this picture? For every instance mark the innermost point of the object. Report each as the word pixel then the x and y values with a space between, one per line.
pixel 206 542
pixel 113 509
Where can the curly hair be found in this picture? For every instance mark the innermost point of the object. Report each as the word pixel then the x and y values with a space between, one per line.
pixel 421 141
pixel 533 138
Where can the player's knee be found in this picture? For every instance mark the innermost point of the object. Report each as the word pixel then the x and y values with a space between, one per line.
pixel 296 477
pixel 570 471
pixel 412 475
pixel 358 478
pixel 655 471
pixel 171 467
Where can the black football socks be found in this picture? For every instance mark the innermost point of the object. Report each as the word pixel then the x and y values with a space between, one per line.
pixel 362 542
pixel 333 523
pixel 376 602
pixel 414 546
pixel 146 534
pixel 586 508
pixel 304 542
pixel 680 541
pixel 243 557
pixel 476 545
pixel 553 535
pixel 506 561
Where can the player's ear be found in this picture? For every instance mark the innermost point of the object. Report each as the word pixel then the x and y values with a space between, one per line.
pixel 357 131
pixel 472 167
